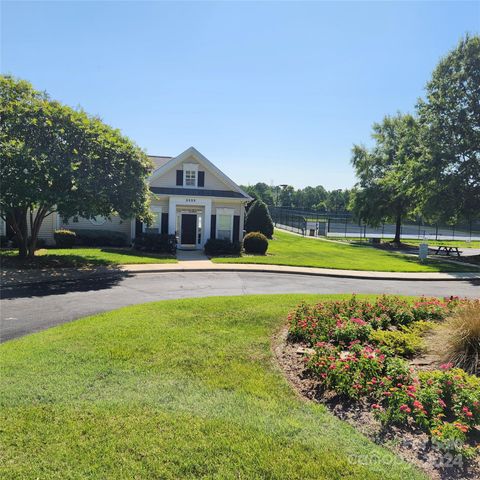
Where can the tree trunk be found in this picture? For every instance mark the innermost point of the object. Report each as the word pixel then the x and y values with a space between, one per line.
pixel 17 218
pixel 398 227
pixel 35 225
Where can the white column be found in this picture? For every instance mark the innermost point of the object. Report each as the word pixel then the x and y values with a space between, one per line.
pixel 208 221
pixel 172 215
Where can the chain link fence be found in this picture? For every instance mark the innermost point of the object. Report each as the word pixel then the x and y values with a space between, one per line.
pixel 342 224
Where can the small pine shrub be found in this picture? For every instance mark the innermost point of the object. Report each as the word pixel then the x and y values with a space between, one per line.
pixel 255 242
pixel 460 337
pixel 258 219
pixel 64 238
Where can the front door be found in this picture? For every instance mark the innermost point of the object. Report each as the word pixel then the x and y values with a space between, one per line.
pixel 189 229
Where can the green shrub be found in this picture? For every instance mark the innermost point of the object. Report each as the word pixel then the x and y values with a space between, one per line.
pixel 101 238
pixel 156 242
pixel 216 246
pixel 64 238
pixel 258 219
pixel 406 344
pixel 255 242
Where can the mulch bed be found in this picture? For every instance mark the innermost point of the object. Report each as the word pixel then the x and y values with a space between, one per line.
pixel 410 444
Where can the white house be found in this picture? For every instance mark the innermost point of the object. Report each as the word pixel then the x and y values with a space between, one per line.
pixel 191 198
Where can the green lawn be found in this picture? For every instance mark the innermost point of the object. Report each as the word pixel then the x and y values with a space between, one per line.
pixel 288 249
pixel 78 257
pixel 172 390
pixel 409 241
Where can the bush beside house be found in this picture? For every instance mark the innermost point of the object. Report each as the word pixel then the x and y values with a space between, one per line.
pixel 255 242
pixel 156 243
pixel 216 246
pixel 64 238
pixel 258 219
pixel 101 238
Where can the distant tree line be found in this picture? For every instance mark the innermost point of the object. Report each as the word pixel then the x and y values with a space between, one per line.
pixel 308 198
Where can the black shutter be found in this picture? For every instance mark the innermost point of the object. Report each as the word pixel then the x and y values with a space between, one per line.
pixel 201 179
pixel 138 227
pixel 164 222
pixel 180 178
pixel 236 228
pixel 213 227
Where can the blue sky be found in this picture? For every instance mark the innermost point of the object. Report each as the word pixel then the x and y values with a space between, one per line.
pixel 269 91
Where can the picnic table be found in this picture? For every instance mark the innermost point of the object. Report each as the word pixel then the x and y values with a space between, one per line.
pixel 447 249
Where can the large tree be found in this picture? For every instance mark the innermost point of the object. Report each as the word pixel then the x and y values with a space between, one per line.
pixel 385 191
pixel 57 159
pixel 449 174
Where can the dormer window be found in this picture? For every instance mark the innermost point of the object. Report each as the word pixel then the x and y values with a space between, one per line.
pixel 190 175
pixel 190 178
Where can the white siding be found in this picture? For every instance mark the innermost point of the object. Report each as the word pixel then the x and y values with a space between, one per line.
pixel 169 179
pixel 237 206
pixel 115 224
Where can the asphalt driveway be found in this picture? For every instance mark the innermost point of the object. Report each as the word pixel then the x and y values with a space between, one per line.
pixel 26 309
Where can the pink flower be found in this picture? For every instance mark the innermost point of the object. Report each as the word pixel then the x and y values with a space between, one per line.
pixel 446 366
pixel 418 405
pixel 405 408
pixel 358 321
pixel 376 406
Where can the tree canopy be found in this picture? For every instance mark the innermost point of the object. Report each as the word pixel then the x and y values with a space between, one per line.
pixel 449 173
pixel 58 159
pixel 385 191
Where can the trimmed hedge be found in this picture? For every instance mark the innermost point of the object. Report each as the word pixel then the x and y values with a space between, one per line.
pixel 64 238
pixel 215 246
pixel 258 219
pixel 156 242
pixel 101 238
pixel 255 242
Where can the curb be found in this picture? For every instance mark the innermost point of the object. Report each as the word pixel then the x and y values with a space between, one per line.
pixel 313 274
pixel 360 276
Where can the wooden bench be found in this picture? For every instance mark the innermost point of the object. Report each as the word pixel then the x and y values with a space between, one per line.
pixel 447 250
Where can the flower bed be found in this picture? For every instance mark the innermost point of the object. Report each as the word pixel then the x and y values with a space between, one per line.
pixel 351 354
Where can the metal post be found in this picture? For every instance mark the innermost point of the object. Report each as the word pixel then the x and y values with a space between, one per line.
pixel 345 227
pixel 436 231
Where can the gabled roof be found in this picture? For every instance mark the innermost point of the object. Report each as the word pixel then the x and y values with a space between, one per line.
pixel 193 152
